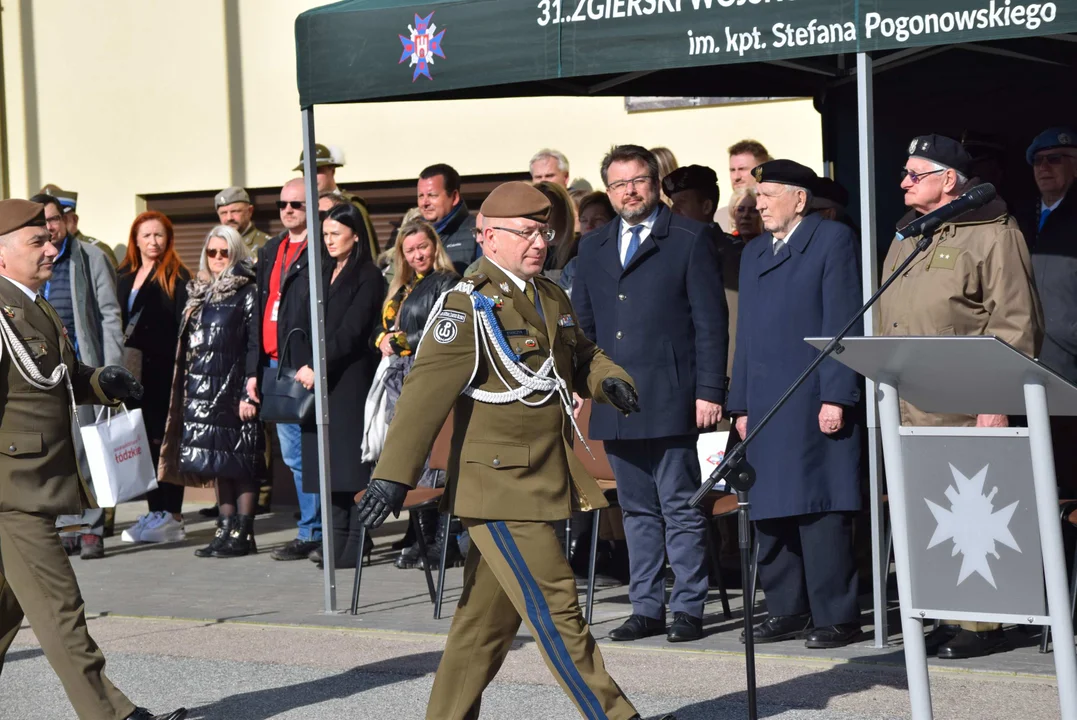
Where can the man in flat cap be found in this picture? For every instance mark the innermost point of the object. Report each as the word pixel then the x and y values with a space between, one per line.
pixel 69 200
pixel 512 471
pixel 39 477
pixel 234 208
pixel 327 158
pixel 974 279
pixel 800 279
pixel 648 290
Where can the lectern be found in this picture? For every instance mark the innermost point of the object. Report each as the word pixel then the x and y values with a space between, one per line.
pixel 974 511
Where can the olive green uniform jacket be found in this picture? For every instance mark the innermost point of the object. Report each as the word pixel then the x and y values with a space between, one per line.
pixel 975 279
pixel 254 239
pixel 38 471
pixel 511 461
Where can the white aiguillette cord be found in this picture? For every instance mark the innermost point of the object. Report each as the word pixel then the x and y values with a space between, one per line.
pixel 20 358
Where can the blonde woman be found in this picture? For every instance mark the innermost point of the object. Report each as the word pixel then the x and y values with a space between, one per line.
pixel 744 219
pixel 667 163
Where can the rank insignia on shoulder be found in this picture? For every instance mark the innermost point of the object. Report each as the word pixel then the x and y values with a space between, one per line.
pixel 566 321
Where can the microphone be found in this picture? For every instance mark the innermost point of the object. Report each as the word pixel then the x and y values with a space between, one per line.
pixel 977 197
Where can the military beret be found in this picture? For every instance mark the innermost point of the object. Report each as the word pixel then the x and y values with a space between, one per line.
pixel 69 199
pixel 690 177
pixel 323 156
pixel 1049 139
pixel 516 199
pixel 942 150
pixel 15 214
pixel 827 193
pixel 785 172
pixel 231 195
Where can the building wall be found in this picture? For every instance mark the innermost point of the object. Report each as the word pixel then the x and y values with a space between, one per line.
pixel 121 98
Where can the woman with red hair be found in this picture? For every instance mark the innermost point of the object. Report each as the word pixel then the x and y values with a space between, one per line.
pixel 152 289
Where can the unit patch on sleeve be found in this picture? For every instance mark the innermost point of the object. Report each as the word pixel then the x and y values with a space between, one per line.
pixel 445 331
pixel 453 315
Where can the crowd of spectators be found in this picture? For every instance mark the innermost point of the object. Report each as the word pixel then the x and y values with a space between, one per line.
pixel 672 282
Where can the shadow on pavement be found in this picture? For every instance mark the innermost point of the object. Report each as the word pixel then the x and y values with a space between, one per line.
pixel 27 654
pixel 262 704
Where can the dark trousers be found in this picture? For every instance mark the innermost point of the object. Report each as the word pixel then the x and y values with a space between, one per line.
pixel 806 565
pixel 345 529
pixel 655 481
pixel 167 497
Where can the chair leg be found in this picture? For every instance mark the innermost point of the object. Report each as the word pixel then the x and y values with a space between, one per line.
pixel 591 567
pixel 716 567
pixel 358 570
pixel 422 553
pixel 441 567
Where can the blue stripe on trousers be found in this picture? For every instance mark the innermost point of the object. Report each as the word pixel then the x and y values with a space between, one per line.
pixel 539 613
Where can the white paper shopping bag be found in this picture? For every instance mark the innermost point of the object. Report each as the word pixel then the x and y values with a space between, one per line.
pixel 710 448
pixel 118 453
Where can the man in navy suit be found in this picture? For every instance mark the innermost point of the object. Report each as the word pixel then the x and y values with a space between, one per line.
pixel 648 291
pixel 800 279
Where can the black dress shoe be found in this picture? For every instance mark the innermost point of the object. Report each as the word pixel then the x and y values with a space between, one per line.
pixel 144 714
pixel 969 644
pixel 832 636
pixel 210 512
pixel 636 627
pixel 778 628
pixel 685 628
pixel 296 550
pixel 938 637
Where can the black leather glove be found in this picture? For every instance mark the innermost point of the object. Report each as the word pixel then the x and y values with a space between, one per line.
pixel 621 395
pixel 119 384
pixel 381 498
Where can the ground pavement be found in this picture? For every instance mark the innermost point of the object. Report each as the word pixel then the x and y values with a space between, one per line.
pixel 247 639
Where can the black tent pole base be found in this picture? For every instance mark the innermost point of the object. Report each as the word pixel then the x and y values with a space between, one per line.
pixel 744 531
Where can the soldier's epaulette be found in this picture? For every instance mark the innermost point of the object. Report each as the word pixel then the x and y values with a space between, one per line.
pixel 477 280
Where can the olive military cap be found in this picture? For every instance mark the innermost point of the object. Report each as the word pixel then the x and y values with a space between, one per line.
pixel 16 214
pixel 516 199
pixel 231 195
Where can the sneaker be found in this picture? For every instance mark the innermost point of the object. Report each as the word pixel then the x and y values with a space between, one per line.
pixel 133 534
pixel 164 529
pixel 93 547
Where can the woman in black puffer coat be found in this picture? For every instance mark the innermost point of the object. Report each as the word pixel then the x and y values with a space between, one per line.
pixel 213 433
pixel 422 271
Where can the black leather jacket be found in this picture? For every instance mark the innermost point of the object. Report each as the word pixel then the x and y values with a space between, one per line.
pixel 416 308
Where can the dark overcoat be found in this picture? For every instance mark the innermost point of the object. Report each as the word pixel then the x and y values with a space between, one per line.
pixel 663 318
pixel 352 309
pixel 810 288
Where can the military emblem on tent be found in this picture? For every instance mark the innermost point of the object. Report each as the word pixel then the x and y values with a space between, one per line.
pixel 421 46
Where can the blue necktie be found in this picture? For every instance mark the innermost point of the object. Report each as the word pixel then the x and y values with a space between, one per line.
pixel 633 244
pixel 1043 217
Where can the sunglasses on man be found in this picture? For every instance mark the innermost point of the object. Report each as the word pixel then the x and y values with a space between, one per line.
pixel 294 204
pixel 1049 159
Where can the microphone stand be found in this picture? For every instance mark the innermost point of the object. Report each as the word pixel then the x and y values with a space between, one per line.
pixel 740 475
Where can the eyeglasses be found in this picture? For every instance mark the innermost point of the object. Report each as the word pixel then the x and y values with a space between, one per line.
pixel 621 185
pixel 1052 159
pixel 213 252
pixel 54 220
pixel 545 233
pixel 917 177
pixel 294 204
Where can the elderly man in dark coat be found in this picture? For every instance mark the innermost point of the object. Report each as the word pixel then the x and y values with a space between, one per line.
pixel 800 279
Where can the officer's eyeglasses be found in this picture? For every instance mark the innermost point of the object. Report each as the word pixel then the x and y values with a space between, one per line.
pixel 917 177
pixel 213 252
pixel 1052 159
pixel 54 220
pixel 621 185
pixel 544 233
pixel 294 204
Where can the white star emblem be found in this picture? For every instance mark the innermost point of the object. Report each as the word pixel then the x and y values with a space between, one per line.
pixel 972 524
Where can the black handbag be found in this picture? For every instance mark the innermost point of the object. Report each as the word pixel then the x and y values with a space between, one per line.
pixel 283 399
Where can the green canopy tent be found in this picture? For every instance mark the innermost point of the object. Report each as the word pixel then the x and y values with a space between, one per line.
pixel 940 66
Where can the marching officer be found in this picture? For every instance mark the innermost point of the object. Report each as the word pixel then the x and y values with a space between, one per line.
pixel 506 350
pixel 974 279
pixel 39 477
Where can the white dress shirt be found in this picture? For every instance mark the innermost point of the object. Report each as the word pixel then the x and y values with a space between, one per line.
pixel 775 241
pixel 518 282
pixel 626 233
pixel 29 293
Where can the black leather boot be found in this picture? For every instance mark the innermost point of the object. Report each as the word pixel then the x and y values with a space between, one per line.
pixel 240 541
pixel 224 527
pixel 410 557
pixel 433 550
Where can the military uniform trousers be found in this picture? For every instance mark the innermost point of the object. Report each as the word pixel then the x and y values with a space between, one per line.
pixel 36 580
pixel 516 570
pixel 806 565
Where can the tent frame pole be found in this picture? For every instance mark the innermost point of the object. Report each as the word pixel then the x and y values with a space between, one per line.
pixel 317 338
pixel 880 565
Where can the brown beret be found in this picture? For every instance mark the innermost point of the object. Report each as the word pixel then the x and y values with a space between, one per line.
pixel 516 199
pixel 15 214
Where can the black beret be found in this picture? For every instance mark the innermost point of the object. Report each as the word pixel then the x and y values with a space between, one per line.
pixel 16 214
pixel 827 193
pixel 690 177
pixel 785 172
pixel 942 150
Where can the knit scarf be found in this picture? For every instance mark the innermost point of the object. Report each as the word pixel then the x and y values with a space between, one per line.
pixel 205 288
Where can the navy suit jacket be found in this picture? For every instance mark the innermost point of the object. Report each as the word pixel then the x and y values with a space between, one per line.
pixel 663 318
